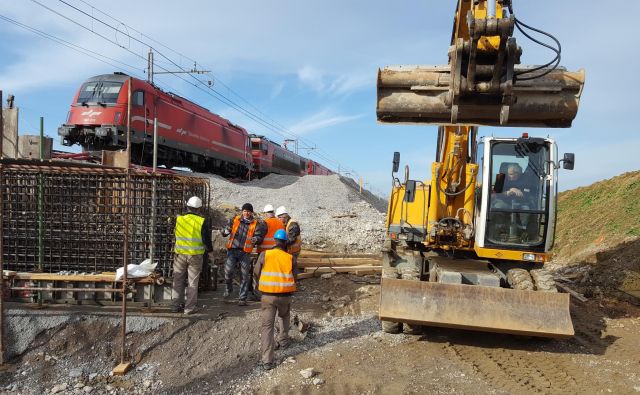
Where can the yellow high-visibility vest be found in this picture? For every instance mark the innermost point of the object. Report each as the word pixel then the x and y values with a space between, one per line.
pixel 297 244
pixel 189 235
pixel 277 273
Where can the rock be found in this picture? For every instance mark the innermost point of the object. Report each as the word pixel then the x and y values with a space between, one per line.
pixel 326 276
pixel 59 388
pixel 79 385
pixel 47 358
pixel 338 354
pixel 93 376
pixel 146 383
pixel 318 381
pixel 108 388
pixel 307 373
pixel 290 360
pixel 326 298
pixel 75 373
pixel 87 389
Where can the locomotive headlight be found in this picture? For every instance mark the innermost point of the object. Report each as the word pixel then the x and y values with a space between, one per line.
pixel 529 257
pixel 117 117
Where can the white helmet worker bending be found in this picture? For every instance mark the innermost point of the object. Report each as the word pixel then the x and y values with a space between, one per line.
pixel 280 211
pixel 194 202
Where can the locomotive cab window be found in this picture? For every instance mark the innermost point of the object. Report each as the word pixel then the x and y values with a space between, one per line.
pixel 99 92
pixel 138 98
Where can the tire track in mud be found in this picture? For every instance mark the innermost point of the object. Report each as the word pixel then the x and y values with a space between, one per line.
pixel 520 371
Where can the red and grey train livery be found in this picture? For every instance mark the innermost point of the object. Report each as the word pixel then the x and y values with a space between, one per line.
pixel 188 134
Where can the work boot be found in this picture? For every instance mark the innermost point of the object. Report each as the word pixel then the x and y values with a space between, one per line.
pixel 226 294
pixel 266 365
pixel 176 309
pixel 254 298
pixel 190 311
pixel 242 302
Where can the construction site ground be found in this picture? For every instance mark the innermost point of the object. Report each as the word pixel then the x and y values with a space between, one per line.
pixel 217 350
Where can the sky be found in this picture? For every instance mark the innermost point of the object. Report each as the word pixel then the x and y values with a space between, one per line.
pixel 309 69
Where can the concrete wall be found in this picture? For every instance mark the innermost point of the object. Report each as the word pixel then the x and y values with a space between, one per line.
pixel 29 147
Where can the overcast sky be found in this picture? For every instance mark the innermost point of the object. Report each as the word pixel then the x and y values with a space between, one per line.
pixel 311 67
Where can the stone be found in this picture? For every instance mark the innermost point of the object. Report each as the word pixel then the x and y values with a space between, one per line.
pixel 318 381
pixel 290 360
pixel 93 376
pixel 78 385
pixel 326 276
pixel 307 373
pixel 338 354
pixel 59 388
pixel 75 373
pixel 146 383
pixel 87 389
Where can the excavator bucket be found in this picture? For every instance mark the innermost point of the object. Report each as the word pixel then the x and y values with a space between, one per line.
pixel 426 94
pixel 476 307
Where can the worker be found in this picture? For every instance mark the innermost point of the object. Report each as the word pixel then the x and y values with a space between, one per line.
pixel 294 239
pixel 244 234
pixel 274 268
pixel 193 239
pixel 271 225
pixel 516 194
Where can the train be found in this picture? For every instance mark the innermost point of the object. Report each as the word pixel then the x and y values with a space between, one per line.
pixel 189 136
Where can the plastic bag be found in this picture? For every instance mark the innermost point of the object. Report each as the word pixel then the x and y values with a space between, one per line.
pixel 136 271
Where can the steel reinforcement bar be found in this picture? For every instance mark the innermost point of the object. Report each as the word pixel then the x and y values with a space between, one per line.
pixel 65 217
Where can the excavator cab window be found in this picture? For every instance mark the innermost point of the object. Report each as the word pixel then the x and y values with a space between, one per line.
pixel 518 203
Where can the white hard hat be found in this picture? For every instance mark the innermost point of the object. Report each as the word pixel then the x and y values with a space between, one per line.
pixel 268 208
pixel 194 202
pixel 281 210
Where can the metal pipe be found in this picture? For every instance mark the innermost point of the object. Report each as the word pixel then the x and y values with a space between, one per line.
pixel 491 8
pixel 129 125
pixel 152 246
pixel 1 126
pixel 1 251
pixel 126 263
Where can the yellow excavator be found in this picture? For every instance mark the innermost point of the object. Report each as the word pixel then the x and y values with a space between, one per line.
pixel 467 249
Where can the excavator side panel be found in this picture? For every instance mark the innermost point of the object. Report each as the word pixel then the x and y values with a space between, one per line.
pixel 476 307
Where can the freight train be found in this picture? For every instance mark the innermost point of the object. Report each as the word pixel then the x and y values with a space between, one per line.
pixel 188 135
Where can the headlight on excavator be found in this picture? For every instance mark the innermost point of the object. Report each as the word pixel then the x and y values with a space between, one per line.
pixel 529 257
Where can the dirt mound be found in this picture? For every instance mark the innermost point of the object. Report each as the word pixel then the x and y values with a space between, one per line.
pixel 597 217
pixel 332 213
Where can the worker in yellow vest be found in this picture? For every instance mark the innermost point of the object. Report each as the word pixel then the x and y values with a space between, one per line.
pixel 274 268
pixel 294 239
pixel 193 239
pixel 244 234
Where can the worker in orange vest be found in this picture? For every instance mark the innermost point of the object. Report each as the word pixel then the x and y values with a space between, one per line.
pixel 277 283
pixel 294 239
pixel 244 234
pixel 272 224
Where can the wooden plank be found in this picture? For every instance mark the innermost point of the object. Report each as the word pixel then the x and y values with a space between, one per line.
pixel 106 278
pixel 121 369
pixel 8 273
pixel 337 262
pixel 344 269
pixel 570 291
pixel 302 276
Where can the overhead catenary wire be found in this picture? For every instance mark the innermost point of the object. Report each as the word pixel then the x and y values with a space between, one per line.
pixel 268 123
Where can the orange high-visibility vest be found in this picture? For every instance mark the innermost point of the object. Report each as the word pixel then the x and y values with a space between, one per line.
pixel 273 224
pixel 297 245
pixel 248 247
pixel 277 273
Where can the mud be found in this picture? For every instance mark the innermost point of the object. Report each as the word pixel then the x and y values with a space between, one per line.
pixel 217 351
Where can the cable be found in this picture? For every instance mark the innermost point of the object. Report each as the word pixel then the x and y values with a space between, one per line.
pixel 519 24
pixel 274 127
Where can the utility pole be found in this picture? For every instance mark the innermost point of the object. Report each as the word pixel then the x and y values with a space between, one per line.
pixel 151 69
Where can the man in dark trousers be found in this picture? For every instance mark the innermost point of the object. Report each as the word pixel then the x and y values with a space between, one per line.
pixel 193 239
pixel 244 234
pixel 274 268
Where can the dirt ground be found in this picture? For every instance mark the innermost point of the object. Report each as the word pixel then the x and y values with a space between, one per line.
pixel 216 351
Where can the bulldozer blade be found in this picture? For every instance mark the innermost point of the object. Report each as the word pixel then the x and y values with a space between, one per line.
pixel 476 307
pixel 423 94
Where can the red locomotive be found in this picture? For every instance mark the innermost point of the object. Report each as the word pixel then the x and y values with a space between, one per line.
pixel 188 135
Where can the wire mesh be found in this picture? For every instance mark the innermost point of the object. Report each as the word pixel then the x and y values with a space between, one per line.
pixel 79 211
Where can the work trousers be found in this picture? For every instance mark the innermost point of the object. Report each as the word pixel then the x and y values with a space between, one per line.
pixel 273 306
pixel 237 257
pixel 186 271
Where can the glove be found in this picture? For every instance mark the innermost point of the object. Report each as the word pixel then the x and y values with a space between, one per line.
pixel 254 240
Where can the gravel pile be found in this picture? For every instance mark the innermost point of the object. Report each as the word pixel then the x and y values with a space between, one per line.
pixel 332 214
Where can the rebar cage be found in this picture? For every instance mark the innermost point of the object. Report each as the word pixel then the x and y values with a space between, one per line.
pixel 67 217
